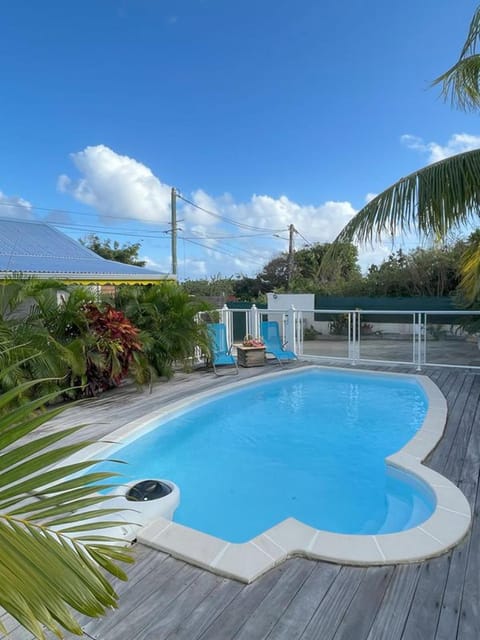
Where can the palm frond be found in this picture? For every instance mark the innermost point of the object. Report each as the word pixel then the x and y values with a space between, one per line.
pixel 431 201
pixel 461 83
pixel 45 573
pixel 470 270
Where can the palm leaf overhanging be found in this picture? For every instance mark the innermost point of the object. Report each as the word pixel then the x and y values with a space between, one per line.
pixel 431 201
pixel 440 197
pixel 461 83
pixel 51 563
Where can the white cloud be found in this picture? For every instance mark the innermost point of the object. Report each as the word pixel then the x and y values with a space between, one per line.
pixel 374 255
pixel 154 263
pixel 458 143
pixel 117 185
pixel 318 223
pixel 15 207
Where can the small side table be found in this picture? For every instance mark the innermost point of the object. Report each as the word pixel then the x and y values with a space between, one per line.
pixel 251 356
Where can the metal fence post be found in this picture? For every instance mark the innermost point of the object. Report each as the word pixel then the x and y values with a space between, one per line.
pixel 353 338
pixel 289 336
pixel 298 333
pixel 419 338
pixel 226 318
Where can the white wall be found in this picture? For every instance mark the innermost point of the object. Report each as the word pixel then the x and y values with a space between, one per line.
pixel 283 301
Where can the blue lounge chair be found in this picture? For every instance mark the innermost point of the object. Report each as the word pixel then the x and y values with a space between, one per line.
pixel 221 355
pixel 271 337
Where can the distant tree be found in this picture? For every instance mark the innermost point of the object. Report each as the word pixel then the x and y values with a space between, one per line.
pixel 311 272
pixel 422 272
pixel 215 286
pixel 274 274
pixel 126 253
pixel 250 289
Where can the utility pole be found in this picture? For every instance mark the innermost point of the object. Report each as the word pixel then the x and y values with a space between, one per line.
pixel 174 230
pixel 291 231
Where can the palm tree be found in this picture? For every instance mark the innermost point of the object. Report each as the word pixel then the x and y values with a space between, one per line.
pixel 166 316
pixel 440 197
pixel 51 564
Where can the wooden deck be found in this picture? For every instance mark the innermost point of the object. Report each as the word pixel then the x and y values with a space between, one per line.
pixel 304 599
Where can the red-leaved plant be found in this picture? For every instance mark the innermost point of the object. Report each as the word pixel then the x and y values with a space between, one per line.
pixel 115 343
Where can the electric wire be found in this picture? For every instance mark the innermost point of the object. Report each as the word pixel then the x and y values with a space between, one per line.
pixel 225 218
pixel 303 238
pixel 218 250
pixel 31 207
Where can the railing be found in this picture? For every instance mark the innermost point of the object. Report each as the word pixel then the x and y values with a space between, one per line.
pixel 419 338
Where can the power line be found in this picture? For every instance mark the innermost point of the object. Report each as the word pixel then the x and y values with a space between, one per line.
pixel 205 246
pixel 217 249
pixel 225 218
pixel 31 207
pixel 230 237
pixel 108 231
pixel 303 238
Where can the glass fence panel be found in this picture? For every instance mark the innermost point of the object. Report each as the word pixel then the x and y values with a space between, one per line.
pixel 386 337
pixel 452 339
pixel 326 335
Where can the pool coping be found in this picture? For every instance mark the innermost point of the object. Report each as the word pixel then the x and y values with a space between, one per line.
pixel 448 524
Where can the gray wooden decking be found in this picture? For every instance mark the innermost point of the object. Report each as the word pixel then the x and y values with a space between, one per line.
pixel 304 599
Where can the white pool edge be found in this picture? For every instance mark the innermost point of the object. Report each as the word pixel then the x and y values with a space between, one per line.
pixel 448 524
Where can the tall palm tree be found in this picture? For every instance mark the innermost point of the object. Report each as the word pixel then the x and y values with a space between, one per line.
pixel 440 197
pixel 51 564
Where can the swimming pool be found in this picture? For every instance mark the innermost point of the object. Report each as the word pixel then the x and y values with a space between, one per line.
pixel 310 445
pixel 317 461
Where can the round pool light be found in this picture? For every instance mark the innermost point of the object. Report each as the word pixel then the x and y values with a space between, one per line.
pixel 148 490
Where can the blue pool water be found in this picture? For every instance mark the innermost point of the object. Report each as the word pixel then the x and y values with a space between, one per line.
pixel 310 445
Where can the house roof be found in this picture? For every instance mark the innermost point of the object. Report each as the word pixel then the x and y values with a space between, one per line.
pixel 30 248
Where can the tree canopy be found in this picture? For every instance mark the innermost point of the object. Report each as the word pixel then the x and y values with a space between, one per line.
pixel 126 253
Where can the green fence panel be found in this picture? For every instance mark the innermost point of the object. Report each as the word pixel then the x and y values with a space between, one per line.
pixel 405 305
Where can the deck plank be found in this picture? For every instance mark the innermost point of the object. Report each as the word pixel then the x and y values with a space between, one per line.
pixel 232 619
pixel 299 612
pixel 469 619
pixel 424 610
pixel 390 620
pixel 192 626
pixel 261 622
pixel 328 615
pixel 186 601
pixel 154 604
pixel 358 618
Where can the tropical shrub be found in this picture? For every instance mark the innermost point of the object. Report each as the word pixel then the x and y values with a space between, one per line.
pixel 166 315
pixel 114 345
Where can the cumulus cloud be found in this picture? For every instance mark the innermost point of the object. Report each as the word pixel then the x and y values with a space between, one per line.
pixel 320 223
pixel 458 143
pixel 15 207
pixel 117 185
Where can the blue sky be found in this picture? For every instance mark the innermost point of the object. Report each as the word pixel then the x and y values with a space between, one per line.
pixel 267 113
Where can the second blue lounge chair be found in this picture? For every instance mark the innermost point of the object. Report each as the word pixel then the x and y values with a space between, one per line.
pixel 271 337
pixel 220 352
